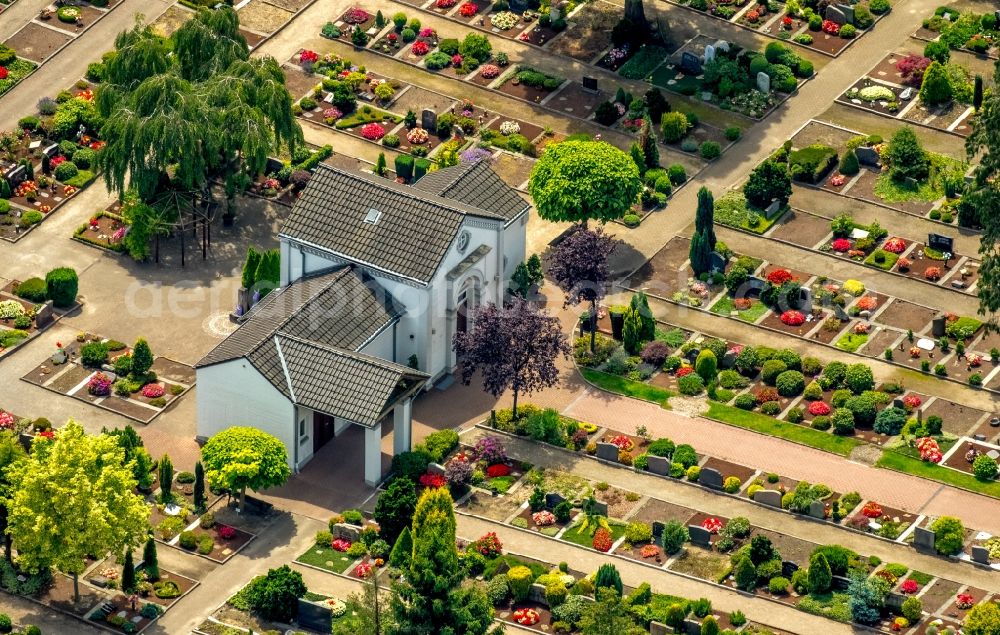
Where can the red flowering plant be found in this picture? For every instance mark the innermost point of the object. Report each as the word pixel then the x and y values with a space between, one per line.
pixel 226 532
pixel 867 303
pixel 45 434
pixel 432 480
pixel 840 245
pixel 914 352
pixel 602 540
pixel 837 180
pixel 831 27
pixel 964 601
pixel 308 57
pixel 420 48
pixel 152 391
pixel 356 15
pixel 909 587
pixel 872 510
pixel 489 545
pixel 912 67
pixel 793 318
pixel 3 73
pixel 742 304
pixel 456 60
pixel 911 402
pixel 445 4
pixel 779 277
pixel 929 450
pixel 55 161
pixel 622 442
pixel 895 245
pixel 372 131
pixel 526 617
pixel 499 469
pixel 765 395
pixel 975 360
pixel 786 21
pixel 649 551
pixel 861 328
pixel 932 273
pixel 819 409
pixel 468 9
pixel 684 370
pixel 363 570
pixel 543 518
pixel 489 71
pixel 339 544
pixel 752 16
pixel 6 420
pixel 903 264
pixel 712 525
pixel 392 37
pixel 857 254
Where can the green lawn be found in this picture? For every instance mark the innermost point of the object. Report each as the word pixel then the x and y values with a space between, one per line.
pixel 366 114
pixel 831 605
pixel 851 342
pixel 586 539
pixel 725 306
pixel 326 558
pixel 888 259
pixel 895 461
pixel 622 386
pixel 793 432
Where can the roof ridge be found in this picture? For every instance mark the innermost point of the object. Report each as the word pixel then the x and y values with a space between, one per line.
pixel 374 361
pixel 407 191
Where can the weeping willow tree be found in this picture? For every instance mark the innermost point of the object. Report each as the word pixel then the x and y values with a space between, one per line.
pixel 174 121
pixel 981 202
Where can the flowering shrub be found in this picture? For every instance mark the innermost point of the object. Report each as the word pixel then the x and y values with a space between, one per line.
pixel 649 551
pixel 933 273
pixel 504 20
pixel 339 544
pixel 420 48
pixel 765 395
pixel 372 131
pixel 964 601
pixel 27 189
pixel 841 245
pixel 337 607
pixel 69 190
pixel 867 303
pixel 417 136
pixel 856 253
pixel 331 115
pixel 432 480
pixel 912 401
pixel 831 27
pixel 861 328
pixel 490 71
pixel 526 617
pixel 900 624
pixel 543 518
pixel 684 371
pixel 909 587
pixel 602 540
pixel 6 420
pixel 356 15
pixel 742 304
pixel 793 318
pixel 226 532
pixel 500 469
pixel 854 287
pixel 622 442
pixel 468 9
pixel 489 545
pixel 903 264
pixel 99 385
pixel 712 525
pixel 152 391
pixel 445 4
pixel 616 55
pixel 508 128
pixel 929 450
pixel 895 245
pixel 490 449
pixel 3 73
pixel 837 180
pixel 914 352
pixel 363 570
pixel 427 32
pixel 456 60
pixel 308 57
pixel 975 360
pixel 819 409
pixel 779 277
pixel 752 16
pixel 872 510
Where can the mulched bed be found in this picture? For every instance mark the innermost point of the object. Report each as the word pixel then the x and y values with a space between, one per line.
pixel 907 316
pixel 791 548
pixel 528 130
pixel 573 100
pixel 541 34
pixel 800 276
pixel 123 608
pixel 728 469
pixel 635 554
pixel 618 505
pixel 550 530
pixel 827 43
pixel 939 117
pixel 185 584
pixel 957 418
pixel 481 503
pixel 939 593
pixel 60 596
pixel 784 484
pixel 773 320
pixel 523 91
pixel 959 614
pixel 545 615
pixel 882 339
pixel 700 517
pixel 827 335
pixel 589 33
pixel 759 385
pixel 655 509
pixel 663 268
pixel 37 43
pixel 957 459
pixel 417 99
pixel 801 228
pixel 921 263
pixel 905 518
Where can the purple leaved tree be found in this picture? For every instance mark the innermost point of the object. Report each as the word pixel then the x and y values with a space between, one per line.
pixel 514 347
pixel 579 266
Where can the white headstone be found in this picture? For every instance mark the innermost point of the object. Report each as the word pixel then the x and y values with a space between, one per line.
pixel 763 82
pixel 709 53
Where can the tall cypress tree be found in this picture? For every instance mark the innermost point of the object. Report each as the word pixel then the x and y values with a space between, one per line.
pixel 640 303
pixel 977 93
pixel 648 139
pixel 128 572
pixel 199 486
pixel 150 564
pixel 699 253
pixel 166 479
pixel 704 219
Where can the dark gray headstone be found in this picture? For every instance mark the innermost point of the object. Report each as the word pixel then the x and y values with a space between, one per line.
pixel 840 313
pixel 692 355
pixel 923 539
pixel 436 468
pixel 518 6
pixel 51 150
pixel 656 628
pixel 840 583
pixel 898 403
pixel 788 568
pixel 99 581
pixel 690 63
pixel 836 14
pixel 710 477
pixel 805 299
pixel 911 182
pixel 428 120
pixel 867 156
pixel 599 507
pixel 537 594
pixel 590 84
pixel 848 11
pixel 763 82
pixel 817 509
pixel 692 627
pixel 17 176
pixel 700 536
pixel 980 555
pixel 894 601
pixel 658 465
pixel 658 528
pixel 938 326
pixel 553 498
pixel 314 616
pixel 979 437
pixel 607 451
pixel 769 497
pixel 717 262
pixel 44 315
pixel 941 243
pixel 351 533
pixel 503 567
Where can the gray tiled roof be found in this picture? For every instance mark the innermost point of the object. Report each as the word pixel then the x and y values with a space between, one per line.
pixel 345 384
pixel 475 184
pixel 414 230
pixel 342 308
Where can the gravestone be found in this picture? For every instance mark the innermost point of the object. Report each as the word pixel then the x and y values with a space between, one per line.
pixel 836 14
pixel 656 628
pixel 894 601
pixel 590 84
pixel 840 583
pixel 700 536
pixel 690 63
pixel 599 507
pixel 805 299
pixel 44 315
pixel 658 465
pixel 763 82
pixel 503 567
pixel 911 182
pixel 315 617
pixel 907 94
pixel 518 6
pixel 848 11
pixel 941 243
pixel 710 477
pixel 788 568
pixel 428 120
pixel 755 284
pixel 709 53
pixel 553 498
pixel 773 208
pixel 721 46
pixel 537 594
pixel 840 313
pixel 692 354
pixel 898 403
pixel 607 451
pixel 51 150
pixel 717 262
pixel 980 555
pixel 769 497
pixel 923 539
pixel 938 326
pixel 555 13
pixel 692 627
pixel 436 468
pixel 865 315
pixel 817 509
pixel 99 581
pixel 351 533
pixel 17 176
pixel 867 156
pixel 728 359
pixel 658 528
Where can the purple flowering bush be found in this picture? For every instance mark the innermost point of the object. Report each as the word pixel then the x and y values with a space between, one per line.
pixel 491 450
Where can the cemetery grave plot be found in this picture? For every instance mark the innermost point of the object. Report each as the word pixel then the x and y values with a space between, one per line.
pixel 727 469
pixel 801 228
pixel 960 26
pixel 663 274
pixel 171 20
pixel 512 84
pixel 880 339
pixel 938 595
pixel 589 32
pixel 573 99
pixel 905 316
pixel 513 169
pixel 37 43
pixel 959 459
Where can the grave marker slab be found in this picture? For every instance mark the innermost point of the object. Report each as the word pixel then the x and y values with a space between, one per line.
pixel 769 497
pixel 763 82
pixel 690 63
pixel 817 510
pixel 658 465
pixel 980 555
pixel 923 539
pixel 607 451
pixel 700 536
pixel 710 477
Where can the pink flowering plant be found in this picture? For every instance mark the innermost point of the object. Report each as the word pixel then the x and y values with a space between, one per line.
pixel 372 131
